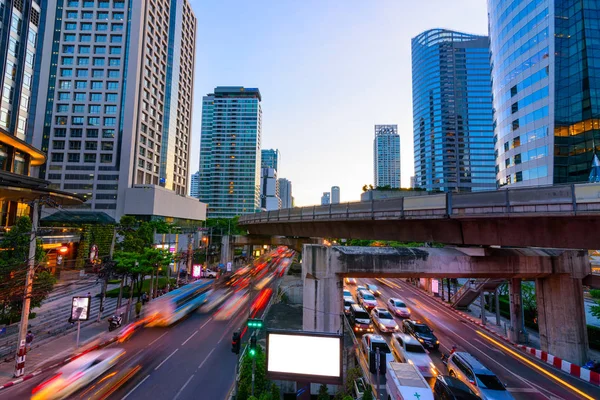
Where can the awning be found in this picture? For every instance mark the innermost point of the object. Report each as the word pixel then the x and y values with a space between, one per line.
pixel 21 188
pixel 78 217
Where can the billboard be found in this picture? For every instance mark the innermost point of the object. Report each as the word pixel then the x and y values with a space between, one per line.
pixel 80 308
pixel 304 356
pixel 197 271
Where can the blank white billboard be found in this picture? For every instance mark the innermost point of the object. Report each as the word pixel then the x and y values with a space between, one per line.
pixel 293 354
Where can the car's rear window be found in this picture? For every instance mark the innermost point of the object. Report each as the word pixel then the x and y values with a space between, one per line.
pixel 368 296
pixel 361 315
pixel 490 382
pixel 385 315
pixel 347 293
pixel 349 302
pixel 413 348
pixel 422 328
pixel 400 304
pixel 383 348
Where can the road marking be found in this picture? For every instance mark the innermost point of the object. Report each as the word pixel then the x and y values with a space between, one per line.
pixel 202 363
pixel 151 343
pixel 136 386
pixel 165 360
pixel 183 387
pixel 522 390
pixel 205 323
pixel 491 348
pixel 186 340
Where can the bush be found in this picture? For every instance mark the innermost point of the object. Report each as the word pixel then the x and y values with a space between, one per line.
pixel 595 293
pixel 162 283
pixel 113 281
pixel 593 337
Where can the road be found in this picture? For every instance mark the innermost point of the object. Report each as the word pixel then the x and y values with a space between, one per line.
pixel 525 376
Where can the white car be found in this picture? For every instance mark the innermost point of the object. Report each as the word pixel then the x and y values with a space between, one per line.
pixel 367 300
pixel 398 307
pixel 408 349
pixel 373 289
pixel 77 374
pixel 384 320
pixel 209 273
pixel 372 342
pixel 347 295
pixel 347 304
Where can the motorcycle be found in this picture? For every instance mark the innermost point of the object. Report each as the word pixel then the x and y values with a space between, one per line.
pixel 114 322
pixel 592 366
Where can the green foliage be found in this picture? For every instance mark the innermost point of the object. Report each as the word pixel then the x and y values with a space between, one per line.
pixel 595 309
pixel 162 283
pixel 261 384
pixel 323 393
pixel 593 337
pixel 225 226
pixel 368 394
pixel 384 243
pixel 595 293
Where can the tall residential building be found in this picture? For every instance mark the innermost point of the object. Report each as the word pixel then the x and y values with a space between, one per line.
pixel 413 182
pixel 230 151
pixel 21 47
pixel 325 199
pixel 335 195
pixel 546 87
pixel 118 78
pixel 452 112
pixel 269 199
pixel 195 185
pixel 270 158
pixel 285 193
pixel 386 156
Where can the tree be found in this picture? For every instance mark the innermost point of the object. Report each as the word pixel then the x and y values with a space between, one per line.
pixel 323 393
pixel 368 394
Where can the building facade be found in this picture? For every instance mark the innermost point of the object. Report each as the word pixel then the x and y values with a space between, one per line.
pixel 119 81
pixel 270 158
pixel 269 184
pixel 285 193
pixel 230 151
pixel 195 185
pixel 21 46
pixel 325 199
pixel 386 156
pixel 452 112
pixel 335 195
pixel 546 90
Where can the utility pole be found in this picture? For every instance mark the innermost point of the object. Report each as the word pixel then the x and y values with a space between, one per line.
pixel 377 363
pixel 21 347
pixel 107 270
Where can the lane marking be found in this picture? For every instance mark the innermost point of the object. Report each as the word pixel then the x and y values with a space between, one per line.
pixel 522 390
pixel 165 360
pixel 183 387
pixel 136 386
pixel 491 348
pixel 186 340
pixel 210 319
pixel 202 363
pixel 152 342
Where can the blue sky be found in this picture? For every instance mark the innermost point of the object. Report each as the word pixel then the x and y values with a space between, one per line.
pixel 328 71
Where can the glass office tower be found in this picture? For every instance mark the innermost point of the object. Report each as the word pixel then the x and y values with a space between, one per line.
pixel 230 151
pixel 545 56
pixel 452 112
pixel 386 156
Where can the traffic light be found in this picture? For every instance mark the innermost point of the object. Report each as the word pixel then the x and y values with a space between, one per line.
pixel 255 323
pixel 236 342
pixel 252 346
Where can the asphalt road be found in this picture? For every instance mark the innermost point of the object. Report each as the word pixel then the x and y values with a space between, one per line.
pixel 525 376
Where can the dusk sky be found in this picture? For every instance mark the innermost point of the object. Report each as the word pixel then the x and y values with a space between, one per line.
pixel 328 71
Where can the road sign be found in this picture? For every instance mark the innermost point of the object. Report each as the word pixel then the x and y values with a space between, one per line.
pixel 80 308
pixel 229 266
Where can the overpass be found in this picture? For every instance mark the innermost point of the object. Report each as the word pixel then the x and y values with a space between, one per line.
pixel 557 273
pixel 561 216
pixel 228 243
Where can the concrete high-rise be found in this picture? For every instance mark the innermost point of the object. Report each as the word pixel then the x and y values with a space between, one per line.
pixel 270 158
pixel 285 193
pixel 452 112
pixel 118 78
pixel 325 199
pixel 546 90
pixel 269 183
pixel 230 151
pixel 195 185
pixel 386 156
pixel 335 195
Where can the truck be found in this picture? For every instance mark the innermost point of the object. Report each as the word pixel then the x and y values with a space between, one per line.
pixel 404 382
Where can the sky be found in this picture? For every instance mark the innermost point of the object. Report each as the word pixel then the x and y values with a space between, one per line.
pixel 328 71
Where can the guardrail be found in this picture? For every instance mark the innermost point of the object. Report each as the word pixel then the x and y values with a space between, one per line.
pixel 558 199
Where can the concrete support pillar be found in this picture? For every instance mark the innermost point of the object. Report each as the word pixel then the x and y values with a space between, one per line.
pixel 561 317
pixel 516 333
pixel 322 292
pixel 226 250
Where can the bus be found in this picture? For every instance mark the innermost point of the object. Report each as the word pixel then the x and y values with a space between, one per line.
pixel 171 307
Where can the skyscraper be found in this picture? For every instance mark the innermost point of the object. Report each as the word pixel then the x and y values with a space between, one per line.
pixel 285 193
pixel 195 185
pixel 325 199
pixel 546 88
pixel 386 156
pixel 335 195
pixel 269 190
pixel 118 78
pixel 270 158
pixel 230 151
pixel 452 112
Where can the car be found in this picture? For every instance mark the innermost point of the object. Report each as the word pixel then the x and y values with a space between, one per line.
pixel 77 374
pixel 370 343
pixel 373 289
pixel 350 281
pixel 347 304
pixel 422 333
pixel 367 300
pixel 398 307
pixel 209 273
pixel 383 320
pixel 408 349
pixel 347 295
pixel 360 287
pixel 477 377
pixel 449 388
pixel 360 320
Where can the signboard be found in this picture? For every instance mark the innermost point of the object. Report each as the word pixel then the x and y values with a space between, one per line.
pixel 80 308
pixel 229 266
pixel 304 356
pixel 197 271
pixel 435 286
pixel 93 253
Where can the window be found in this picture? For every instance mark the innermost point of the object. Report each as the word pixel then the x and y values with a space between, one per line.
pixel 66 72
pixel 79 97
pixel 112 85
pixel 61 120
pixel 68 48
pixel 85 38
pixel 87 15
pixel 73 3
pixel 82 73
pixel 96 85
pixel 98 61
pixel 80 84
pixel 73 157
pixel 97 73
pixel 96 97
pixel 27 80
pixel 113 73
pixel 32 37
pixel 76 132
pixel 62 108
pixel 117 28
pixel 60 132
pixel 74 145
pixel 93 121
pixel 86 26
pixel 107 146
pixel 71 14
pixel 11 70
pixel 89 158
pixel 113 62
pixel 67 60
pixel 115 50
pixel 108 133
pixel 116 39
pixel 110 121
pixel 63 96
pixel 119 4
pixel 103 4
pixel 94 109
pixel 58 144
pixel 99 50
pixel 78 108
pixel 100 38
pixel 83 61
pixel 102 15
pixel 118 16
pixel 88 3
pixel 110 109
pixel 13 46
pixel 91 133
pixel 64 84
pixel 111 97
pixel 105 158
pixel 70 26
pixel 77 120
pixel 58 157
pixel 84 49
pixel 29 59
pixel 70 37
pixel 91 145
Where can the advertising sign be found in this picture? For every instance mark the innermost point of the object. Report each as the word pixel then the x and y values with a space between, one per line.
pixel 197 271
pixel 229 266
pixel 80 308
